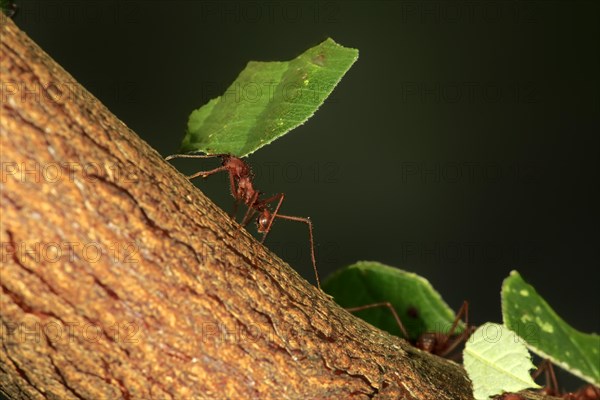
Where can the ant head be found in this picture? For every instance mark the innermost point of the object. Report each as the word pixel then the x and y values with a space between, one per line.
pixel 236 166
pixel 263 220
pixel 427 342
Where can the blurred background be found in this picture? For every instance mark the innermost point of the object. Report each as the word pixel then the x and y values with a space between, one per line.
pixel 463 143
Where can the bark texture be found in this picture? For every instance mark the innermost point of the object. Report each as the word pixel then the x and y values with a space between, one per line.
pixel 121 280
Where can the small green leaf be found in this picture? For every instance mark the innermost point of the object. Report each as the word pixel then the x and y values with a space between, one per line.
pixel 419 306
pixel 497 361
pixel 546 334
pixel 267 100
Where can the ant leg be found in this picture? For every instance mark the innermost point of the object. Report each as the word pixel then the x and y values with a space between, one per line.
pixel 250 211
pixel 172 156
pixel 464 310
pixel 204 174
pixel 234 209
pixel 390 307
pixel 259 205
pixel 553 379
pixel 279 196
pixel 552 388
pixel 307 221
pixel 235 195
pixel 310 236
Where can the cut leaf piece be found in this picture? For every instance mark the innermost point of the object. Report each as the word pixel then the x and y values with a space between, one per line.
pixel 418 304
pixel 267 100
pixel 497 361
pixel 527 313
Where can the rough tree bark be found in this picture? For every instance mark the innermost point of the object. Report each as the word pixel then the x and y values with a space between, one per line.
pixel 121 280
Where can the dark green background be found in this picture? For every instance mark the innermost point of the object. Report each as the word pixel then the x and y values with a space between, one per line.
pixel 461 145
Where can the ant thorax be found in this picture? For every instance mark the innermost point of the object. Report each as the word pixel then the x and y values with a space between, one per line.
pixel 262 222
pixel 245 191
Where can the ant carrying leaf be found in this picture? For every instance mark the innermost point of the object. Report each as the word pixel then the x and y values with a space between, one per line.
pixel 413 299
pixel 267 100
pixel 438 343
pixel 587 392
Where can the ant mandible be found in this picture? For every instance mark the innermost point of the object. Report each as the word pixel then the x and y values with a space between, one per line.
pixel 242 190
pixel 437 343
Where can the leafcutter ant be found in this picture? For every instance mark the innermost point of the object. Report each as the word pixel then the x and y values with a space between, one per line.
pixel 243 191
pixel 438 343
pixel 587 392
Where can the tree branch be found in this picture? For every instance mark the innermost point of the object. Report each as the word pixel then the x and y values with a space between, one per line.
pixel 121 280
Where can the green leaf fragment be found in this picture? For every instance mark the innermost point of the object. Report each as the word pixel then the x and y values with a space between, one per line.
pixel 546 334
pixel 497 361
pixel 418 304
pixel 267 100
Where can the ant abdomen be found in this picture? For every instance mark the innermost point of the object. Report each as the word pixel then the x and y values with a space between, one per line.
pixel 263 221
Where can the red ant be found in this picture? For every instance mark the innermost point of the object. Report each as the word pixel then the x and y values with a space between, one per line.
pixel 588 392
pixel 242 189
pixel 440 344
